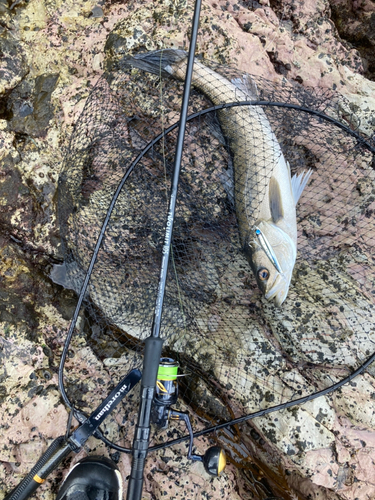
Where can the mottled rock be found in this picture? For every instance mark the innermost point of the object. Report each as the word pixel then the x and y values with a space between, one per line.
pixel 30 105
pixel 278 40
pixel 355 22
pixel 13 67
pixel 6 140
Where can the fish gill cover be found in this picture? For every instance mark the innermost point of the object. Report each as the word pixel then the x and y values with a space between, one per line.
pixel 240 352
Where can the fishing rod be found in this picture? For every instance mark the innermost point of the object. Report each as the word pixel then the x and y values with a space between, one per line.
pixel 153 344
pixel 165 393
pixel 61 447
pixel 157 398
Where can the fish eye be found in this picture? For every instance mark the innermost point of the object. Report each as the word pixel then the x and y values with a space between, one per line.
pixel 263 274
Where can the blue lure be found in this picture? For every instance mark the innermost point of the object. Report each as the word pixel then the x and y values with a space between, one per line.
pixel 267 248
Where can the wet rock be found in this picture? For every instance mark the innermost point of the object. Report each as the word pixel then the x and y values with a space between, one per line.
pixel 30 106
pixel 13 66
pixel 355 22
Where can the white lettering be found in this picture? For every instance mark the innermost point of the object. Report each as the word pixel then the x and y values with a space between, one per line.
pixel 110 403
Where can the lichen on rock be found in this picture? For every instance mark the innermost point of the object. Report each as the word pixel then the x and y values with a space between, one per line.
pixel 53 52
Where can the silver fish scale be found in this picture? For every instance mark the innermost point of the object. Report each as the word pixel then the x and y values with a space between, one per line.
pixel 234 345
pixel 255 149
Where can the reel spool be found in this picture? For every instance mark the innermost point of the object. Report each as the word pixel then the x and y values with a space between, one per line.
pixel 165 395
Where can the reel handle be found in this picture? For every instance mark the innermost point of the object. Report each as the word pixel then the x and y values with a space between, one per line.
pixel 214 460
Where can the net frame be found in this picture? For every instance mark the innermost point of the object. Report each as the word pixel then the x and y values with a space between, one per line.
pixel 264 103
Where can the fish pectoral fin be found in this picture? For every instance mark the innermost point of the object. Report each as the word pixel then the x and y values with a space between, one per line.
pixel 276 205
pixel 299 183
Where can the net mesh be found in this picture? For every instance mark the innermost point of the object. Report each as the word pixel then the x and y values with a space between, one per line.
pixel 239 352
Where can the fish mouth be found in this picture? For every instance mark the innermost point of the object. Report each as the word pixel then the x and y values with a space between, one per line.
pixel 279 289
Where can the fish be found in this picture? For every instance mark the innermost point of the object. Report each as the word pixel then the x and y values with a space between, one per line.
pixel 68 275
pixel 265 194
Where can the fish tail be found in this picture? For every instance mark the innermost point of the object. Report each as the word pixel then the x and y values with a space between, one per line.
pixel 68 275
pixel 158 62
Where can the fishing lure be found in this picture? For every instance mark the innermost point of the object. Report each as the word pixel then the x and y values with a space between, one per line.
pixel 264 243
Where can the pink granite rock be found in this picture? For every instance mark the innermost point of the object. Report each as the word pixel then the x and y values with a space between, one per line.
pixel 355 24
pixel 276 40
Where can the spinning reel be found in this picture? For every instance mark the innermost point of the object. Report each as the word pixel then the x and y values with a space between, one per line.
pixel 166 395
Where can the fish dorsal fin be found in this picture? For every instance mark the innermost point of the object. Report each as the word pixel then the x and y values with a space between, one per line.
pixel 247 85
pixel 299 183
pixel 288 165
pixel 276 205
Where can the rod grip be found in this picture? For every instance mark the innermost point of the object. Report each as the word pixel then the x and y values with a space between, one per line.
pixel 153 347
pixel 151 361
pixel 135 489
pixel 56 452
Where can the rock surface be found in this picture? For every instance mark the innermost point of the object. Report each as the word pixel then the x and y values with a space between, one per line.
pixel 61 49
pixel 355 24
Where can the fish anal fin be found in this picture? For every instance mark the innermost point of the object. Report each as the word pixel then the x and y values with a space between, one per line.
pixel 247 85
pixel 299 183
pixel 276 205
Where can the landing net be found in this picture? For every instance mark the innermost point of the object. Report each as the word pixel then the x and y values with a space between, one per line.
pixel 239 352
